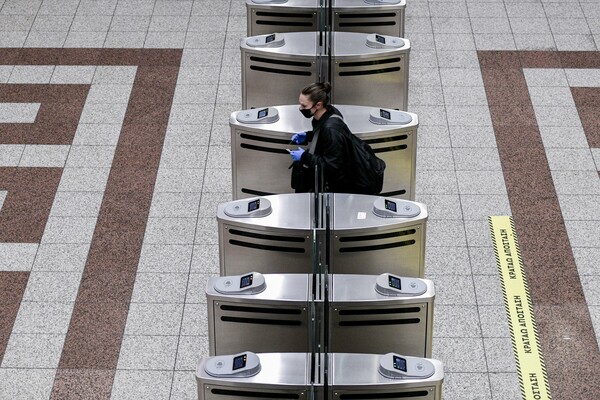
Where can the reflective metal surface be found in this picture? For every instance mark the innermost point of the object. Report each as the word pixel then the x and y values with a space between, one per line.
pixel 366 244
pixel 260 160
pixel 349 16
pixel 277 243
pixel 275 320
pixel 364 321
pixel 283 373
pixel 362 75
pixel 356 374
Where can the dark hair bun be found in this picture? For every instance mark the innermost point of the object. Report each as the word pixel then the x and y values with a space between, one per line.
pixel 326 87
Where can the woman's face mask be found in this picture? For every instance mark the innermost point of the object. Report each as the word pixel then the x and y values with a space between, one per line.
pixel 306 112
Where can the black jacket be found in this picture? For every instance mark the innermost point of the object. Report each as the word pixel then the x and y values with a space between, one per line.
pixel 331 152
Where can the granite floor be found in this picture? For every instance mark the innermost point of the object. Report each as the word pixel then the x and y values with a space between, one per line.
pixel 114 152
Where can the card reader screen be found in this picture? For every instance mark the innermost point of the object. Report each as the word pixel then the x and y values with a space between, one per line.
pixel 399 363
pixel 385 114
pixel 263 113
pixel 380 39
pixel 270 38
pixel 254 205
pixel 389 205
pixel 246 281
pixel 240 362
pixel 395 282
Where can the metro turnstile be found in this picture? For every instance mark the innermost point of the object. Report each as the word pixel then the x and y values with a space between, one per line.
pixel 363 243
pixel 368 69
pixel 383 17
pixel 276 318
pixel 294 376
pixel 260 160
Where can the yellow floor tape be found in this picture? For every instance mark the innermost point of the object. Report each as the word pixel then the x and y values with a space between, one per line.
pixel 519 310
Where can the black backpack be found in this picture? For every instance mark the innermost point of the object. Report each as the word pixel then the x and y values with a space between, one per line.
pixel 367 169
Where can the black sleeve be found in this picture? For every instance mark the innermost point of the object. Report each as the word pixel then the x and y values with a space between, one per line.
pixel 329 156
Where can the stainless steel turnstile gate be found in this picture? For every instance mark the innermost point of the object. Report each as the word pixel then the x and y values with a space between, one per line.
pixel 371 235
pixel 297 376
pixel 368 69
pixel 260 137
pixel 366 16
pixel 271 312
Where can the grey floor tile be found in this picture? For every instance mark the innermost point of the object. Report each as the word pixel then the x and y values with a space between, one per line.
pixel 33 351
pixel 213 23
pixel 481 182
pixel 557 116
pixel 435 158
pixel 459 386
pixel 165 258
pixel 423 41
pixel 159 288
pixel 457 58
pixel 545 77
pixel 3 194
pixel 207 40
pixel 85 39
pixel 26 384
pixel 441 206
pixel 576 182
pixel 69 230
pixel 17 256
pixel 454 290
pixel 446 233
pixel 483 260
pixel 190 349
pixel 563 137
pixel 58 7
pixel 175 205
pixel 436 182
pixel 527 41
pixel 205 259
pixel 52 23
pixel 169 23
pixel 107 93
pixel 462 77
pixel 18 113
pixel 476 159
pixel 495 41
pixel 454 41
pixel 595 316
pixel 31 74
pixel 118 39
pixel 5 71
pixel 428 76
pixel 73 74
pixel 486 10
pixel 91 23
pixel 468 115
pixel 433 136
pixel 83 179
pixel 187 135
pixel 429 115
pixel 460 354
pixel 570 159
pixel 97 134
pixel 154 319
pixel 133 385
pixel 230 75
pixel 596 157
pixel 43 318
pixel 446 24
pixel 170 230
pixel 217 180
pixel 579 207
pixel 586 259
pixel 46 39
pixel 455 321
pixel 76 204
pixel 505 386
pixel 103 113
pixel 184 386
pixel 195 320
pixel 528 10
pixel 164 40
pixel 15 22
pixel 106 7
pixel 478 233
pixel 425 95
pixel 167 7
pixel 591 288
pixel 529 25
pixel 583 233
pixel 220 135
pixel 46 286
pixel 481 206
pixel 202 8
pixel 191 113
pixel 499 354
pixel 464 96
pixel 582 77
pixel 38 155
pixel 61 257
pixel 219 157
pixel 147 352
pixel 114 75
pixel 135 7
pixel 491 25
pixel 450 260
pixel 551 96
pixel 195 94
pixel 420 58
pixel 575 42
pixel 494 322
pixel 184 157
pixel 10 154
pixel 179 180
pixel 13 38
pixel 223 110
pixel 130 23
pixel 488 290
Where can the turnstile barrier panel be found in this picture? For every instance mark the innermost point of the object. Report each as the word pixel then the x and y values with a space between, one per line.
pixel 260 160
pixel 357 376
pixel 400 323
pixel 363 74
pixel 273 320
pixel 348 16
pixel 282 375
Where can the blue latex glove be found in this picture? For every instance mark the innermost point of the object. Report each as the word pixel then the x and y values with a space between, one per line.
pixel 299 138
pixel 297 154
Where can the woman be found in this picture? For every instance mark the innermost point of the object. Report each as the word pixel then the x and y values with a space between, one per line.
pixel 331 150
